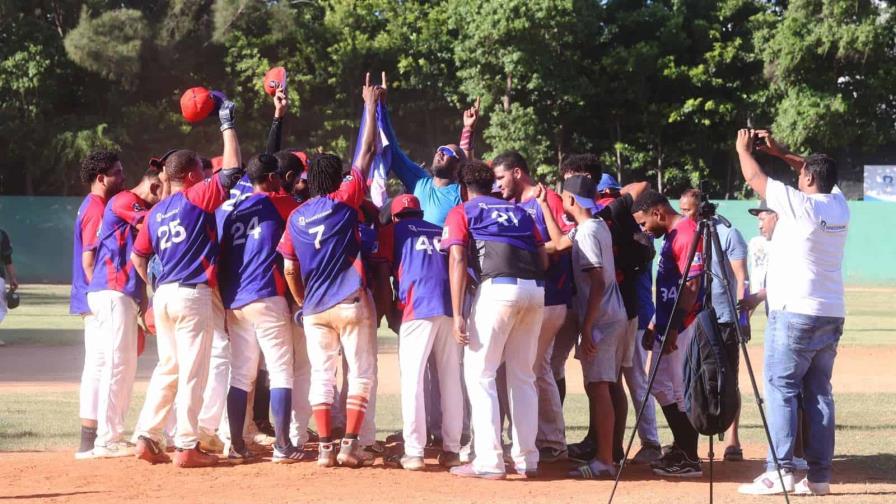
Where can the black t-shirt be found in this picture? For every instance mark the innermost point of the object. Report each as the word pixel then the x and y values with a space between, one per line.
pixel 5 253
pixel 618 215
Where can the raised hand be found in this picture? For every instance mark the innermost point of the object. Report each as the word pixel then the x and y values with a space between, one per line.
pixel 744 141
pixel 471 115
pixel 769 144
pixel 227 115
pixel 281 103
pixel 369 92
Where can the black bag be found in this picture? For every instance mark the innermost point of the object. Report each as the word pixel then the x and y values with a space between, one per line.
pixel 711 393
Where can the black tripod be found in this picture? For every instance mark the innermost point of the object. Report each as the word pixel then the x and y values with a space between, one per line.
pixel 709 237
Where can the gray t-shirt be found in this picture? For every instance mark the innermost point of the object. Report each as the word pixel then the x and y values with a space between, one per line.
pixel 592 247
pixel 735 247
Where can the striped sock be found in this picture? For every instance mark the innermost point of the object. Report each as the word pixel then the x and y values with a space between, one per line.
pixel 355 407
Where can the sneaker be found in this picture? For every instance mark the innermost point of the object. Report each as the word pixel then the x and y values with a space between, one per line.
pixel 647 454
pixel 290 455
pixel 351 454
pixel 395 437
pixel 449 459
pixel 412 463
pixel 313 436
pixel 550 455
pixel 114 450
pixel 84 455
pixel 467 453
pixel 806 487
pixel 593 470
pixel 581 452
pixel 377 448
pixel 800 464
pixel 768 483
pixel 211 443
pixel 235 456
pixel 149 450
pixel 467 471
pixel 194 457
pixel 667 453
pixel 326 456
pixel 263 439
pixel 679 466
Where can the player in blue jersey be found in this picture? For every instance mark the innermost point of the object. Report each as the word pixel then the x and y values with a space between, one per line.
pixel 501 244
pixel 103 172
pixel 181 231
pixel 253 292
pixel 324 271
pixel 420 269
pixel 116 295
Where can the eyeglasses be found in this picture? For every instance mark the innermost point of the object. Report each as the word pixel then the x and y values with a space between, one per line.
pixel 447 151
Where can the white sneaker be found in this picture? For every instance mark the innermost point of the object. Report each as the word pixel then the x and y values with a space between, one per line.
pixel 114 450
pixel 84 455
pixel 800 464
pixel 806 487
pixel 768 483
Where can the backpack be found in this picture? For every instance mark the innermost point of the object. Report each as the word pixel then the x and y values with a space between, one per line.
pixel 712 396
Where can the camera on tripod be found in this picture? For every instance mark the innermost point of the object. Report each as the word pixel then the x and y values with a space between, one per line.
pixel 705 209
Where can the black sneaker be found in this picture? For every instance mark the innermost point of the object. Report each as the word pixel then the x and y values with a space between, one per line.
pixel 668 453
pixel 679 466
pixel 582 452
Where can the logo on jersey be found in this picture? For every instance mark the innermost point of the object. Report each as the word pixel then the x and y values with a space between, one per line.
pixel 137 207
pixel 301 220
pixel 832 228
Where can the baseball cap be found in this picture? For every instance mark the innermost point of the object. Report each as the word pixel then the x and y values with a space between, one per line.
pixel 275 77
pixel 196 104
pixel 607 182
pixel 763 207
pixel 582 187
pixel 404 203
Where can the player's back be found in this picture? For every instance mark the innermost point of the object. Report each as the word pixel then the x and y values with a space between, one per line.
pixel 250 267
pixel 421 268
pixel 184 238
pixel 113 269
pixel 90 215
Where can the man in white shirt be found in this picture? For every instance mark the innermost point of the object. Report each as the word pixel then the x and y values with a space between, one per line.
pixel 805 300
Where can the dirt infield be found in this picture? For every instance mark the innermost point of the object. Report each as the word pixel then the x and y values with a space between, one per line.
pixel 55 477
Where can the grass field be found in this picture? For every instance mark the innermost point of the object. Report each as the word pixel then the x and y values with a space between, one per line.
pixel 46 419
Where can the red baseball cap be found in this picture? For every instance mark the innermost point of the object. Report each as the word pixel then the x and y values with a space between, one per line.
pixel 196 104
pixel 404 203
pixel 276 77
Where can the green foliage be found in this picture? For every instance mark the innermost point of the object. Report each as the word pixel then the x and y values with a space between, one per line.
pixel 109 44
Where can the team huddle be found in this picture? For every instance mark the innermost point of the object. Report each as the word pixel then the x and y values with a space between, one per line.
pixel 283 264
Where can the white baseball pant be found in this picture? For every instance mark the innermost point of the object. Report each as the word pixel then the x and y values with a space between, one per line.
pixel 636 380
pixel 94 361
pixel 566 339
pixel 418 340
pixel 184 339
pixel 214 397
pixel 551 427
pixel 668 387
pixel 301 408
pixel 261 327
pixel 504 327
pixel 348 324
pixel 116 316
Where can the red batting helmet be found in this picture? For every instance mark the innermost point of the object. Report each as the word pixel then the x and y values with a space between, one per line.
pixel 196 104
pixel 276 77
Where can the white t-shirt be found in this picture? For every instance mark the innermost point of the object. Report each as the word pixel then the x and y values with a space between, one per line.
pixel 759 250
pixel 805 269
pixel 593 248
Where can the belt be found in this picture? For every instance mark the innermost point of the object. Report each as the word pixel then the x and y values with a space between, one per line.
pixel 515 281
pixel 190 286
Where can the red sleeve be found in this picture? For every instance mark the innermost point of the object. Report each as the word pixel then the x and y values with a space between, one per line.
pixel 681 245
pixel 456 230
pixel 284 203
pixel 143 244
pixel 352 190
pixel 90 226
pixel 129 208
pixel 556 206
pixel 539 240
pixel 285 247
pixel 386 250
pixel 208 194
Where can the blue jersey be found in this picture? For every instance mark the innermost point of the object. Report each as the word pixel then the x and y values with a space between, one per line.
pixel 419 267
pixel 181 230
pixel 87 226
pixel 500 236
pixel 673 260
pixel 249 267
pixel 558 277
pixel 113 269
pixel 322 236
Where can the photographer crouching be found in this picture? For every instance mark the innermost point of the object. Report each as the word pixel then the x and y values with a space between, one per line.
pixel 805 298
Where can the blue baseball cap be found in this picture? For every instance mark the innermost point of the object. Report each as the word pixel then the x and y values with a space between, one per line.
pixel 582 187
pixel 607 182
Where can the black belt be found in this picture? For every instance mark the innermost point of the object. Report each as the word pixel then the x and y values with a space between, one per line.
pixel 515 281
pixel 191 286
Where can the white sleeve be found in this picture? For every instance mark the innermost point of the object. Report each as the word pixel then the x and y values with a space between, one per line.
pixel 786 201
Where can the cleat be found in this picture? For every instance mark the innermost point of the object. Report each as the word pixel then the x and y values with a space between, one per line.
pixel 326 457
pixel 194 457
pixel 147 449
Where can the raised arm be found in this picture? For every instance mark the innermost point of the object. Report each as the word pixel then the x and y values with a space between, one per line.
pixel 775 149
pixel 233 160
pixel 275 134
pixel 367 151
pixel 558 241
pixel 750 169
pixel 471 117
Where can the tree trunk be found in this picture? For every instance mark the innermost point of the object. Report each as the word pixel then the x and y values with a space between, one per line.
pixel 560 146
pixel 618 152
pixel 507 90
pixel 659 166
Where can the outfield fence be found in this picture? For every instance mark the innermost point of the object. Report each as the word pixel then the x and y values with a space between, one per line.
pixel 41 232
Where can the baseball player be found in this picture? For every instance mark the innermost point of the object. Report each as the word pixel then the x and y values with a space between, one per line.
pixel 516 184
pixel 103 172
pixel 502 244
pixel 258 318
pixel 115 295
pixel 181 231
pixel 656 216
pixel 326 277
pixel 411 246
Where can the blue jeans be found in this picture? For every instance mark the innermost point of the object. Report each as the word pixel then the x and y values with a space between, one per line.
pixel 799 358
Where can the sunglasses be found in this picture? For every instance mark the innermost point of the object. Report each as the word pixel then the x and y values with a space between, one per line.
pixel 446 151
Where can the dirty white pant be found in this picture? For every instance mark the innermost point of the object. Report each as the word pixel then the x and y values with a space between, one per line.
pixel 261 327
pixel 94 361
pixel 301 408
pixel 551 428
pixel 214 397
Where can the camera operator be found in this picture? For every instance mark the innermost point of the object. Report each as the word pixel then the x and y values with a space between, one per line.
pixel 805 299
pixel 735 248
